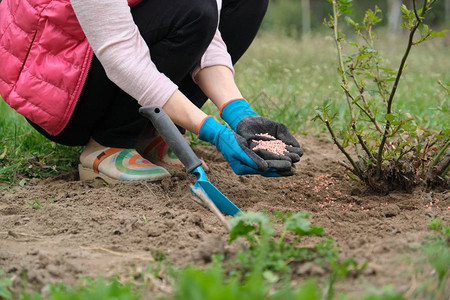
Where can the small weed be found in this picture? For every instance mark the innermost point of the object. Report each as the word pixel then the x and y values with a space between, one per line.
pixel 144 219
pixel 35 204
pixel 270 253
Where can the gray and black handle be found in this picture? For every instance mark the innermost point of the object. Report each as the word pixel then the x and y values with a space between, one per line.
pixel 172 136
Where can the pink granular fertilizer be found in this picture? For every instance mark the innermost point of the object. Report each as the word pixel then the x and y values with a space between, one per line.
pixel 275 146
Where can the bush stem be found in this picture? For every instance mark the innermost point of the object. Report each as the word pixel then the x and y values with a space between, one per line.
pixel 397 80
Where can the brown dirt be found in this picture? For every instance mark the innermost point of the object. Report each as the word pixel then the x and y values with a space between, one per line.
pixel 89 229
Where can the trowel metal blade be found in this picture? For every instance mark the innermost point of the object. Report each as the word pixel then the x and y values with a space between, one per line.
pixel 220 200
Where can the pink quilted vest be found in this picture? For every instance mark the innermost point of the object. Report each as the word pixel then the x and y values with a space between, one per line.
pixel 45 58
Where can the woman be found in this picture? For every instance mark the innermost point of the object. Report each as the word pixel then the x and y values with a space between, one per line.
pixel 78 70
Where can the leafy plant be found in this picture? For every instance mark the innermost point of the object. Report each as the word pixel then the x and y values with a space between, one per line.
pixel 275 258
pixel 272 254
pixel 214 283
pixel 390 149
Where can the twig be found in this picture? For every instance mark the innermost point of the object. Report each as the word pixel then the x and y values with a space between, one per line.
pixel 144 258
pixel 212 207
pixel 353 125
pixel 337 41
pixel 439 155
pixel 342 163
pixel 403 153
pixel 371 118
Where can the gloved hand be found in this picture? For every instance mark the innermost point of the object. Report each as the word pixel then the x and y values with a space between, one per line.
pixel 236 151
pixel 248 124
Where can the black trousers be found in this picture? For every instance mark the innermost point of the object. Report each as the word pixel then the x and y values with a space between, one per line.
pixel 177 32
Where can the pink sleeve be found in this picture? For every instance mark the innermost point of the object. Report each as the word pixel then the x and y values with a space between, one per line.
pixel 118 45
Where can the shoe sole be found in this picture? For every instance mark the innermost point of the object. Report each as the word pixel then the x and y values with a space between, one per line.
pixel 87 174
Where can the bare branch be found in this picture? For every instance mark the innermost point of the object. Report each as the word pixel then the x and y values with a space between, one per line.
pixel 337 40
pixel 394 87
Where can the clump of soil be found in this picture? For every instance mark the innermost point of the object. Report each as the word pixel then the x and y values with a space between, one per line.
pixel 89 229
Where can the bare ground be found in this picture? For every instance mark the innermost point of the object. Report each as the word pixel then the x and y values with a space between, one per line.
pixel 89 229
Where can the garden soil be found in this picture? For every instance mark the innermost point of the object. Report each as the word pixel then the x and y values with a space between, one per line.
pixel 87 229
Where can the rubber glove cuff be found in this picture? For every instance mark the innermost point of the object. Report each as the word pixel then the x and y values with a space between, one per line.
pixel 234 111
pixel 208 130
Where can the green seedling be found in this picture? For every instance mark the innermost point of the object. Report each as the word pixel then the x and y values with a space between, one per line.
pixel 35 204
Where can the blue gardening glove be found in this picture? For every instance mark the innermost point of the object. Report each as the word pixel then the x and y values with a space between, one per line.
pixel 248 124
pixel 235 150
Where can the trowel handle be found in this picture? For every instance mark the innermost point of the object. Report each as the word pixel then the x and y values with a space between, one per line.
pixel 171 135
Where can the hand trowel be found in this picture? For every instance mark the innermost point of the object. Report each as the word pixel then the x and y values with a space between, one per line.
pixel 172 136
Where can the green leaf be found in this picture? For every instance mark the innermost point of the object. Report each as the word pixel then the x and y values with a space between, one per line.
pixel 245 223
pixel 299 224
pixel 389 117
pixel 440 34
pixel 345 6
pixel 404 10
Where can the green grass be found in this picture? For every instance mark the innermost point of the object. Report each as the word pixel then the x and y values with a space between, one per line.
pixel 26 153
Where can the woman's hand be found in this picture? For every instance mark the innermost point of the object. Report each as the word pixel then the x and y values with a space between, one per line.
pixel 236 151
pixel 248 124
